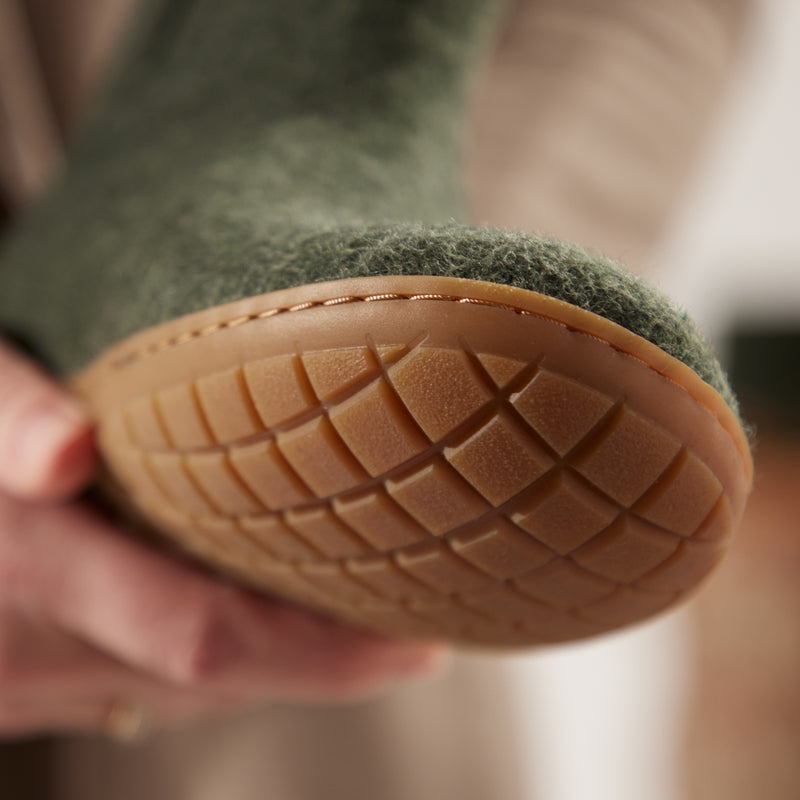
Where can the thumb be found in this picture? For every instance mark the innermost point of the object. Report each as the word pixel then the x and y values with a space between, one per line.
pixel 46 443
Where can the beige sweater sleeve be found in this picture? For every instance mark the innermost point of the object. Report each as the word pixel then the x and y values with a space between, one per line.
pixel 30 146
pixel 52 55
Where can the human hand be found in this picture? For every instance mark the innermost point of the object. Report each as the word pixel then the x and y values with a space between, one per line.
pixel 97 630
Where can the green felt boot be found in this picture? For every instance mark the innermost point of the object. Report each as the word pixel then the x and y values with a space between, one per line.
pixel 330 387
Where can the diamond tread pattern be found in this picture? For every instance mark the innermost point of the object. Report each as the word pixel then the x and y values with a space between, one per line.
pixel 489 529
pixel 426 490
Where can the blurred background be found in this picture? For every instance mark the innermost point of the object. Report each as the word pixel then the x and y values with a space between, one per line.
pixel 704 702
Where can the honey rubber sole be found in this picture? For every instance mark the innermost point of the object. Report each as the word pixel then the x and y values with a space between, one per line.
pixel 426 457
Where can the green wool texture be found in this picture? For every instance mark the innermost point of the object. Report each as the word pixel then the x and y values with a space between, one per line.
pixel 251 146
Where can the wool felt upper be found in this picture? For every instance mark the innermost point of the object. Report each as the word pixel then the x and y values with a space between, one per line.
pixel 268 145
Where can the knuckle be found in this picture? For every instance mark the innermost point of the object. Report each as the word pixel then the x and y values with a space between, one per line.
pixel 206 649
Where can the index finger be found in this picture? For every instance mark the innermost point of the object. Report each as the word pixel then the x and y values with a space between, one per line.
pixel 162 617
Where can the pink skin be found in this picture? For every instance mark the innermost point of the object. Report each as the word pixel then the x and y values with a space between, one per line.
pixel 89 617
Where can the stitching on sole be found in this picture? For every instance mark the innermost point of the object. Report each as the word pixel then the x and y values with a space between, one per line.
pixel 128 360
